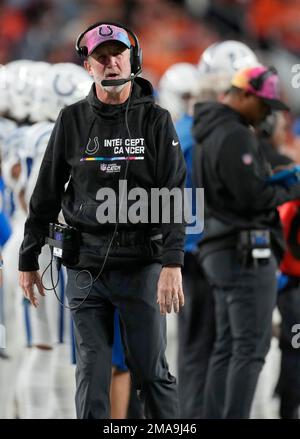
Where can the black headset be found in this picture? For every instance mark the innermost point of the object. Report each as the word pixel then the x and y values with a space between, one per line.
pixel 258 82
pixel 135 50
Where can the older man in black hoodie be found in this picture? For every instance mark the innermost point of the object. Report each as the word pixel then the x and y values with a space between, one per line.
pixel 136 265
pixel 240 242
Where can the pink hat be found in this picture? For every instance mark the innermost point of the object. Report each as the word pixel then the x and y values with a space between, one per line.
pixel 102 33
pixel 262 82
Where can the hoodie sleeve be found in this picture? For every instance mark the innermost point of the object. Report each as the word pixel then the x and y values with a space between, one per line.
pixel 45 203
pixel 171 174
pixel 238 169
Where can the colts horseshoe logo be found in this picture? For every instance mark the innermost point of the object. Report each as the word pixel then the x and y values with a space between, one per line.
pixel 90 150
pixel 61 89
pixel 108 34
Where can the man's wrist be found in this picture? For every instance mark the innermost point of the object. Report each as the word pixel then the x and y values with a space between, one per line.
pixel 172 258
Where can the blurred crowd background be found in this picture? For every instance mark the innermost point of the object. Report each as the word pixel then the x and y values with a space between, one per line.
pixel 170 31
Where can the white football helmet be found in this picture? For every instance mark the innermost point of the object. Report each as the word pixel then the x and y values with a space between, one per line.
pixel 179 82
pixel 64 84
pixel 19 94
pixel 35 73
pixel 228 57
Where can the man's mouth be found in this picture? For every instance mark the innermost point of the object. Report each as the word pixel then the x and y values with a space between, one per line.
pixel 111 76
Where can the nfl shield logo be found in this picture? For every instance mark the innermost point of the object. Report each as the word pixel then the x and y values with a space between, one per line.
pixel 247 159
pixel 103 166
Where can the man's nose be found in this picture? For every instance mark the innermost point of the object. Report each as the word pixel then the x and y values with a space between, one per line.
pixel 111 60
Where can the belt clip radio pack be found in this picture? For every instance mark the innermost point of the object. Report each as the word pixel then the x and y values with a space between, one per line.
pixel 64 242
pixel 257 243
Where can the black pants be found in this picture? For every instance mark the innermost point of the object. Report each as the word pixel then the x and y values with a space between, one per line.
pixel 244 300
pixel 288 386
pixel 196 335
pixel 133 292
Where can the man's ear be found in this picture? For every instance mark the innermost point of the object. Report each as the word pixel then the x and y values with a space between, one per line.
pixel 87 67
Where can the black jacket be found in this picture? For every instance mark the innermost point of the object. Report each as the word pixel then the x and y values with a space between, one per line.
pixel 233 171
pixel 85 153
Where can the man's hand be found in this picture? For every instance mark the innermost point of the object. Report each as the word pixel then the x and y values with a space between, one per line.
pixel 27 280
pixel 169 290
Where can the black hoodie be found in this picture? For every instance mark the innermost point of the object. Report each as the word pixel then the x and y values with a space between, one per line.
pixel 88 150
pixel 232 170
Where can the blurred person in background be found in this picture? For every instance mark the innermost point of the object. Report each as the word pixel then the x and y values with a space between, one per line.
pixel 46 88
pixel 273 136
pixel 6 127
pixel 50 326
pixel 288 386
pixel 14 129
pixel 238 203
pixel 196 324
pixel 177 90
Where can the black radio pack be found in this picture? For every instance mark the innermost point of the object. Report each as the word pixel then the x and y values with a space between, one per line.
pixel 64 242
pixel 256 243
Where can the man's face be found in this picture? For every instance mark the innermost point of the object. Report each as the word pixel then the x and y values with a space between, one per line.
pixel 110 60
